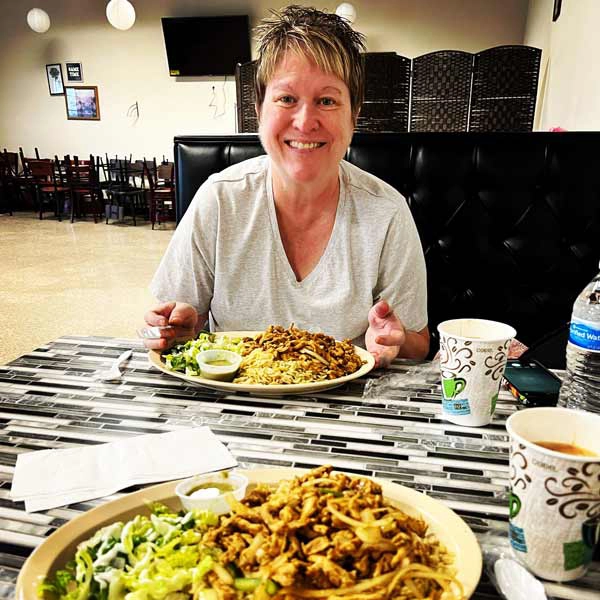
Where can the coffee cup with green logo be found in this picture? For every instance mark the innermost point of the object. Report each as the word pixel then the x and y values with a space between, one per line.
pixel 473 355
pixel 554 490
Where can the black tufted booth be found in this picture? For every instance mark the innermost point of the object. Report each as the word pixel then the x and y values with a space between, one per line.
pixel 510 223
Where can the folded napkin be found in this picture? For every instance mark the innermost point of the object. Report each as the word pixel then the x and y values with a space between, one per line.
pixel 50 478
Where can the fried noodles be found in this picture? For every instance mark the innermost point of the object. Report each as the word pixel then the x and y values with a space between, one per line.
pixel 293 355
pixel 325 535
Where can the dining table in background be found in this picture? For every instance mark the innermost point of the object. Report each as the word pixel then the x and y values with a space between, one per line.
pixel 50 398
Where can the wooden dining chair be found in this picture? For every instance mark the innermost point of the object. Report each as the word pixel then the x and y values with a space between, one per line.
pixel 101 177
pixel 162 198
pixel 9 188
pixel 125 191
pixel 26 188
pixel 48 190
pixel 86 194
pixel 163 173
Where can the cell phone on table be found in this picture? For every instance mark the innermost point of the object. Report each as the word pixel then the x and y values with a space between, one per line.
pixel 531 383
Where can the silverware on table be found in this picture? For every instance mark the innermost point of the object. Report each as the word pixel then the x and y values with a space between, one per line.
pixel 114 372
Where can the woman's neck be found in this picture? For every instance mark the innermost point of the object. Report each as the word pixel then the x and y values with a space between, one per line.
pixel 306 200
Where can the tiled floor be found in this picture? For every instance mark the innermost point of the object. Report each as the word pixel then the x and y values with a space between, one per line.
pixel 59 278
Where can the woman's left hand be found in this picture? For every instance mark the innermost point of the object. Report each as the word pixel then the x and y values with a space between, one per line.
pixel 386 334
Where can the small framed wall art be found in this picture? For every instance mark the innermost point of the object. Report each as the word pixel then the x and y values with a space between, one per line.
pixel 55 79
pixel 74 71
pixel 82 103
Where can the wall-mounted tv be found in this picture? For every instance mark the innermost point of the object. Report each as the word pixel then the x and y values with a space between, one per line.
pixel 198 46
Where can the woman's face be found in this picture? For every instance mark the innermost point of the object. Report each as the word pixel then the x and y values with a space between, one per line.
pixel 305 122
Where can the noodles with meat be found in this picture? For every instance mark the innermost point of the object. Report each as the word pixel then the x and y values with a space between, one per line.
pixel 325 535
pixel 293 355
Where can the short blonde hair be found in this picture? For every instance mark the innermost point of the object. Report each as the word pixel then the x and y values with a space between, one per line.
pixel 323 37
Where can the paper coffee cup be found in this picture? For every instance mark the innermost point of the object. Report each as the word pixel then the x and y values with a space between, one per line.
pixel 555 496
pixel 473 355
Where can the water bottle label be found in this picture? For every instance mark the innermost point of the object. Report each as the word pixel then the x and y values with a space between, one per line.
pixel 585 334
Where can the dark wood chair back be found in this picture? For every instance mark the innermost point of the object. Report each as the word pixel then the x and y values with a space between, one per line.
pixel 165 172
pixel 42 171
pixel 151 174
pixel 78 173
pixel 162 197
pixel 9 163
pixel 136 174
pixel 25 160
pixel 110 168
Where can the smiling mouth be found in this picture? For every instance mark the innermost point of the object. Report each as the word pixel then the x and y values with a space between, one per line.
pixel 304 145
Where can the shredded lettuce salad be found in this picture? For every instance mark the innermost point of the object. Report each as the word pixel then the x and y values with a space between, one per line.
pixel 183 357
pixel 148 558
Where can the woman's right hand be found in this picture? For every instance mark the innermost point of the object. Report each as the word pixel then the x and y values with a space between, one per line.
pixel 182 319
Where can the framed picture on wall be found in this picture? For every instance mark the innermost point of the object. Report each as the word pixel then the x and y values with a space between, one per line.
pixel 82 102
pixel 74 71
pixel 55 79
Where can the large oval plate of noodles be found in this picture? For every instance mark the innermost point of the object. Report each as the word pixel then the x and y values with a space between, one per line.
pixel 307 362
pixel 308 534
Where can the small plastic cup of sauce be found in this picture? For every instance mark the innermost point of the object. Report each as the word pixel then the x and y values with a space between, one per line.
pixel 221 365
pixel 212 491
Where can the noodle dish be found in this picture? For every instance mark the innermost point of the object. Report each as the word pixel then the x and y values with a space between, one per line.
pixel 319 535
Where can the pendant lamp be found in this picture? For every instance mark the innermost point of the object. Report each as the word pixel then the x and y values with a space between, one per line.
pixel 38 20
pixel 346 11
pixel 120 14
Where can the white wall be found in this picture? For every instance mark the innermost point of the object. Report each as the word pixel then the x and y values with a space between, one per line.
pixel 130 66
pixel 569 94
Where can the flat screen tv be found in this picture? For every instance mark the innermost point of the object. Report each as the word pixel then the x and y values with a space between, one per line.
pixel 198 46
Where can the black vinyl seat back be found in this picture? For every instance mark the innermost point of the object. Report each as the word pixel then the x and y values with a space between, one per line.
pixel 509 222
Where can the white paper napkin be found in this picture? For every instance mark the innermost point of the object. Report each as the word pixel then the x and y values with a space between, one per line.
pixel 50 478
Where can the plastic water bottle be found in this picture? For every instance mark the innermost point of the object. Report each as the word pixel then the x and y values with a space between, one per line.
pixel 581 386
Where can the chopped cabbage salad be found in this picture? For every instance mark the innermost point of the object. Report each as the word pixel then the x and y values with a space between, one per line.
pixel 183 357
pixel 148 558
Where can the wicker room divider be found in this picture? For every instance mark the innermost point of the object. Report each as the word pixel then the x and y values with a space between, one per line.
pixel 448 90
pixel 387 92
pixel 505 81
pixel 244 85
pixel 441 86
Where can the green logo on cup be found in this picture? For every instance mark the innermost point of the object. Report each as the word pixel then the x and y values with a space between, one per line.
pixel 452 387
pixel 576 554
pixel 494 401
pixel 514 505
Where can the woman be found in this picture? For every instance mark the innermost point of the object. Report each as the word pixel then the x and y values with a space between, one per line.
pixel 299 235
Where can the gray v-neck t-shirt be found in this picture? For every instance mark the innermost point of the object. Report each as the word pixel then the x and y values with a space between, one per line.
pixel 227 258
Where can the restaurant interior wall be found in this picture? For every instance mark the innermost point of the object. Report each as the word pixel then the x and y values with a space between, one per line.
pixel 569 91
pixel 130 66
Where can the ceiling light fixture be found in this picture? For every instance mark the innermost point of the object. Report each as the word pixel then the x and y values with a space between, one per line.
pixel 38 20
pixel 346 11
pixel 120 14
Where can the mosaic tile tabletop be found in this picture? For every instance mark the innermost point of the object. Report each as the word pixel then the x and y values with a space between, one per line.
pixel 50 398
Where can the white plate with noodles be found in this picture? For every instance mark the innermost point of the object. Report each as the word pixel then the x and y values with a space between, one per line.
pixel 450 548
pixel 157 359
